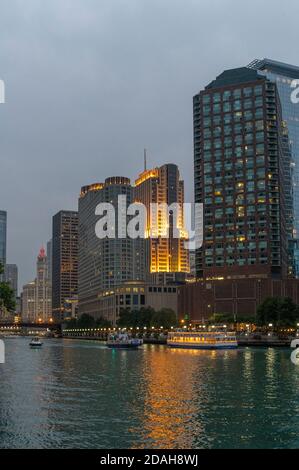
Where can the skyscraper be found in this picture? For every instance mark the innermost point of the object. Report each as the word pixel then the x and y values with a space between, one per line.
pixel 284 75
pixel 103 262
pixel 240 171
pixel 28 302
pixel 49 259
pixel 43 301
pixel 162 253
pixel 64 262
pixel 11 276
pixel 3 230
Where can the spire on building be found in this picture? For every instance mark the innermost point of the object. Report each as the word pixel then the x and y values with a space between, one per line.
pixel 42 253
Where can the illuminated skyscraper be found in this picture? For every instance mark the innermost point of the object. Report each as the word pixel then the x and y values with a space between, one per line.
pixel 162 252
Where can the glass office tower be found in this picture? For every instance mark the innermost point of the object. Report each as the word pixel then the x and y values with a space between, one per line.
pixel 284 75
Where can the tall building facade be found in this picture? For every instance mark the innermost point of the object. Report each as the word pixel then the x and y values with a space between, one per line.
pixel 43 303
pixel 239 154
pixel 162 252
pixel 11 276
pixel 103 262
pixel 28 302
pixel 3 231
pixel 49 259
pixel 36 297
pixel 284 75
pixel 64 262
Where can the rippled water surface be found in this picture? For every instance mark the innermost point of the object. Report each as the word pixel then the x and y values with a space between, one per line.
pixel 77 394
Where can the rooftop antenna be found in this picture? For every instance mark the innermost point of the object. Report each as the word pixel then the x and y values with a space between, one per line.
pixel 144 159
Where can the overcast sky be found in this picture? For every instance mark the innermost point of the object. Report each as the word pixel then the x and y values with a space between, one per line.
pixel 90 83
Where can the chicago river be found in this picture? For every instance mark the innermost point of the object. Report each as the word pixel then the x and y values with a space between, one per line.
pixel 78 394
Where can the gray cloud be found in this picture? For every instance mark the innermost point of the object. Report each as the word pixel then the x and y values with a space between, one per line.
pixel 89 83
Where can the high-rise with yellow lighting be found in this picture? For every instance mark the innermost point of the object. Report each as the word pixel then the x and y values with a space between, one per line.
pixel 163 252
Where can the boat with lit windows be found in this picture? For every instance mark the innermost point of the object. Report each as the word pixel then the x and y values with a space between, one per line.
pixel 202 340
pixel 123 341
pixel 35 343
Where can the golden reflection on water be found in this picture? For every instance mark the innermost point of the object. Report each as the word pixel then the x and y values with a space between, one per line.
pixel 171 403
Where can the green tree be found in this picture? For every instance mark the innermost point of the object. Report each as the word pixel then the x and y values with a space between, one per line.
pixel 103 323
pixel 7 300
pixel 144 317
pixel 165 317
pixel 126 318
pixel 281 311
pixel 86 321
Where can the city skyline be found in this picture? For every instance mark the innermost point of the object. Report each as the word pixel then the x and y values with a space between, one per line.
pixel 80 93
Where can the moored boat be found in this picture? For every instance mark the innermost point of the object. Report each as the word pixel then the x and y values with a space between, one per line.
pixel 202 340
pixel 123 341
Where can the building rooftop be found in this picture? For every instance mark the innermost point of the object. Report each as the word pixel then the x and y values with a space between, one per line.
pixel 234 77
pixel 281 68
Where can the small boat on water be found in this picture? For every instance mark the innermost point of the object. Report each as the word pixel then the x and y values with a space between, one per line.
pixel 202 340
pixel 123 341
pixel 35 343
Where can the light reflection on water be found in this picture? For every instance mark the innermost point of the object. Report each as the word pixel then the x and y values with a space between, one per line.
pixel 76 394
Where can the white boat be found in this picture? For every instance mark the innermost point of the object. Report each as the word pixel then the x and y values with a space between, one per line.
pixel 123 341
pixel 202 340
pixel 35 343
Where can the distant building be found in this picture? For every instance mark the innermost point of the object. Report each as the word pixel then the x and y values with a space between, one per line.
pixel 49 259
pixel 11 276
pixel 43 303
pixel 3 235
pixel 28 302
pixel 64 262
pixel 36 297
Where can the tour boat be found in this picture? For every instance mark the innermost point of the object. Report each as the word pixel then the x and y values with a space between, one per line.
pixel 35 343
pixel 202 340
pixel 123 341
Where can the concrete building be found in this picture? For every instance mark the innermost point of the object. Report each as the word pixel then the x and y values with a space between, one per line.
pixel 36 297
pixel 133 296
pixel 64 262
pixel 104 263
pixel 28 302
pixel 43 302
pixel 240 177
pixel 238 298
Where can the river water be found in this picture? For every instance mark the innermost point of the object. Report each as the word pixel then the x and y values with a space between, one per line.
pixel 78 394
